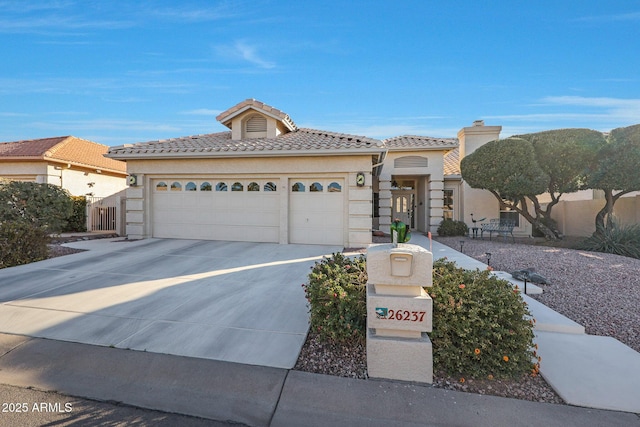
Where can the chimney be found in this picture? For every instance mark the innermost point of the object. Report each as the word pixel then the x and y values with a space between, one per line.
pixel 476 135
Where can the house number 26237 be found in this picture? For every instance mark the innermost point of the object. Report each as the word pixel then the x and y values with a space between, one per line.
pixel 403 315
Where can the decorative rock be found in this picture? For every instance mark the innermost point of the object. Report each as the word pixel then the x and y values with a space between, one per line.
pixel 530 275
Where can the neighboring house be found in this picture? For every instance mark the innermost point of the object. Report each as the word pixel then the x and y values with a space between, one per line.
pixel 75 164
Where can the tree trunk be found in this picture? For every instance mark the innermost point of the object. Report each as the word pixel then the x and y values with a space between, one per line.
pixel 606 213
pixel 521 207
pixel 538 223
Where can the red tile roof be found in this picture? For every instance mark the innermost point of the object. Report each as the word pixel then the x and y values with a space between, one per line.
pixel 30 148
pixel 62 149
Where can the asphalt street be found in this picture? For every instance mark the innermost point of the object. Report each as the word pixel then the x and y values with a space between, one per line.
pixel 21 407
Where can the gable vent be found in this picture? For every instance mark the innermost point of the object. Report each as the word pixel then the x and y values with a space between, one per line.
pixel 411 162
pixel 257 124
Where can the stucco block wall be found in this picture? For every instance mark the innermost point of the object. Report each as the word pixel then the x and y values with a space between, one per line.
pixel 24 171
pixel 77 181
pixel 74 179
pixel 577 217
pixel 136 205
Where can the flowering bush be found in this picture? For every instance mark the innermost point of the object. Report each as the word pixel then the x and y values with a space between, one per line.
pixel 337 298
pixel 481 326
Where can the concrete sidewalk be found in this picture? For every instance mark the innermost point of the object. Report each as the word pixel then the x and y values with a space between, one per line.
pixel 263 396
pixel 585 370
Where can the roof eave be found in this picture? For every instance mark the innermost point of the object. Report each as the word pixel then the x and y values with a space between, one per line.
pixel 440 148
pixel 244 154
pixel 85 165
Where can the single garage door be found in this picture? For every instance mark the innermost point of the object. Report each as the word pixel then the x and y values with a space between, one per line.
pixel 245 210
pixel 316 211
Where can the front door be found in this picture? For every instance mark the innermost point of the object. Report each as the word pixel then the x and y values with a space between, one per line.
pixel 402 206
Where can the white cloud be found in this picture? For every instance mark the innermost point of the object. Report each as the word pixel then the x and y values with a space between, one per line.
pixel 249 53
pixel 379 131
pixel 106 124
pixel 221 11
pixel 593 111
pixel 620 17
pixel 246 52
pixel 202 112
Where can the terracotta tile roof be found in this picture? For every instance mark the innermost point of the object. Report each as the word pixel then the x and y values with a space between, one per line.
pixel 301 141
pixel 228 114
pixel 62 149
pixel 411 142
pixel 452 162
pixel 29 148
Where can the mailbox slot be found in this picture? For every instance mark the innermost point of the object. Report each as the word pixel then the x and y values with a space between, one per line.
pixel 401 263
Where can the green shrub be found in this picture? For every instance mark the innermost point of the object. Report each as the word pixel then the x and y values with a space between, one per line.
pixel 481 326
pixel 43 205
pixel 337 298
pixel 449 227
pixel 21 243
pixel 615 239
pixel 78 219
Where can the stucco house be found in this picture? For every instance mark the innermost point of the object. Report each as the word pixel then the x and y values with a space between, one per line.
pixel 75 164
pixel 266 180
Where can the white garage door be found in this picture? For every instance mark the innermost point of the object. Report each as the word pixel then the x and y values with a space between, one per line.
pixel 316 214
pixel 245 210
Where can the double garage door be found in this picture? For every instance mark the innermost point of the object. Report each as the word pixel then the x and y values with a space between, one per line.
pixel 249 210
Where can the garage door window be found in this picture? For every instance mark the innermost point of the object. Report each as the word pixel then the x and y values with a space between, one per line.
pixel 316 187
pixel 205 186
pixel 298 187
pixel 334 187
pixel 253 186
pixel 269 186
pixel 237 186
pixel 161 186
pixel 176 186
pixel 221 186
pixel 191 186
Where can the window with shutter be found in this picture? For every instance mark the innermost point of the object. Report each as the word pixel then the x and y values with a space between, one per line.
pixel 411 162
pixel 256 124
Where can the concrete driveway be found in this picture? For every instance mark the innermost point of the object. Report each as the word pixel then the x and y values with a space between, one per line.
pixel 231 301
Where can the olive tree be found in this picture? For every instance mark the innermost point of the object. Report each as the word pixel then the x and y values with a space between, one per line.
pixel 517 170
pixel 617 171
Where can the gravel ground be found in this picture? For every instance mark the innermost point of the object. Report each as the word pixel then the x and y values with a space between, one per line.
pixel 599 291
pixel 57 250
pixel 350 360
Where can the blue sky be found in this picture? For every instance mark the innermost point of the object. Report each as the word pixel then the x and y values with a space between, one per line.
pixel 120 72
